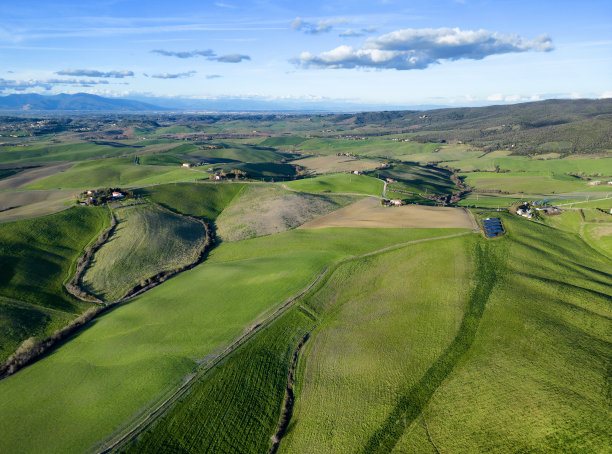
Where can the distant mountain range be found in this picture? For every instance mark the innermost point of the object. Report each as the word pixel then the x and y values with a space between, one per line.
pixel 81 102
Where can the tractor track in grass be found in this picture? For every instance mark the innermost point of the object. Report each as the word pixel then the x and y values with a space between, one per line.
pixel 145 421
pixel 414 400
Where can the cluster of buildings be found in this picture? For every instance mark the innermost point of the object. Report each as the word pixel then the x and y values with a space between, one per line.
pixel 597 183
pixel 530 209
pixel 392 202
pixel 100 196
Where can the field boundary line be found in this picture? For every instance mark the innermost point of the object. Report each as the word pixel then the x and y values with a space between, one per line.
pixel 160 409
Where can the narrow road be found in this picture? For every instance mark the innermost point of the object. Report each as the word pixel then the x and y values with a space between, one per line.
pixel 147 420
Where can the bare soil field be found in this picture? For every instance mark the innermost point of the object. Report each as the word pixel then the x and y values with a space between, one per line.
pixel 267 209
pixel 325 164
pixel 370 213
pixel 29 176
pixel 16 205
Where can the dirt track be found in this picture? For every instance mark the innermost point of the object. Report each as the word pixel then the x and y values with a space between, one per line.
pixel 370 213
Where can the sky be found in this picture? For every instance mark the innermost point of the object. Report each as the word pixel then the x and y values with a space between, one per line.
pixel 383 52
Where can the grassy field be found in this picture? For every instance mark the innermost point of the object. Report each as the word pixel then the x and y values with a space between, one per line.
pixel 339 182
pixel 17 205
pixel 205 201
pixel 36 256
pixel 146 241
pixel 416 178
pixel 79 151
pixel 116 172
pixel 368 212
pixel 236 152
pixel 531 352
pixel 236 407
pixel 29 176
pixel 135 354
pixel 374 147
pixel 327 164
pixel 538 366
pixel 264 209
pixel 529 182
pixel 349 380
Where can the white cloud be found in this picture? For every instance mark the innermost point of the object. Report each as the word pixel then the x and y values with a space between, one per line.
pixel 418 49
pixel 313 28
pixel 95 73
pixel 495 97
pixel 606 95
pixel 173 76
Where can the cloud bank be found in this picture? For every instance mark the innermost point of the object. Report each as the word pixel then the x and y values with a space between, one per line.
pixel 420 48
pixel 173 76
pixel 350 33
pixel 94 73
pixel 47 84
pixel 312 28
pixel 208 53
pixel 185 54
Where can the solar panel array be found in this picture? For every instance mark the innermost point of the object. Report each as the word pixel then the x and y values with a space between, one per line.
pixel 493 227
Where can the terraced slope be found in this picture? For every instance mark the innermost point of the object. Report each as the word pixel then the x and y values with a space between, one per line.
pixel 146 241
pixel 36 256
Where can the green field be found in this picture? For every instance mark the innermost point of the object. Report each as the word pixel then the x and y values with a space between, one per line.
pixel 138 352
pixel 65 152
pixel 507 352
pixel 417 179
pixel 116 172
pixel 147 240
pixel 236 408
pixel 36 258
pixel 367 306
pixel 339 182
pixel 530 182
pixel 205 201
pixel 236 152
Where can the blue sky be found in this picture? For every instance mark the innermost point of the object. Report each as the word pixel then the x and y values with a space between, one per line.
pixel 387 52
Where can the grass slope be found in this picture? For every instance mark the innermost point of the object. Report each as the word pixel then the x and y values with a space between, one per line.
pixel 36 256
pixel 116 172
pixel 205 201
pixel 265 209
pixel 236 408
pixel 138 352
pixel 350 379
pixel 340 182
pixel 146 241
pixel 536 378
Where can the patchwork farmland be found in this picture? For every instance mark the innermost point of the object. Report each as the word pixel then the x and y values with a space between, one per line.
pixel 303 284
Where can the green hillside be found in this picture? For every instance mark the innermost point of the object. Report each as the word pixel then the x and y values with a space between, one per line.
pixel 147 240
pixel 339 182
pixel 134 355
pixel 36 257
pixel 205 201
pixel 116 172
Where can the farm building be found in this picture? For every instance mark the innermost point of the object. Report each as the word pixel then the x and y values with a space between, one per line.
pixel 594 183
pixel 116 195
pixel 186 164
